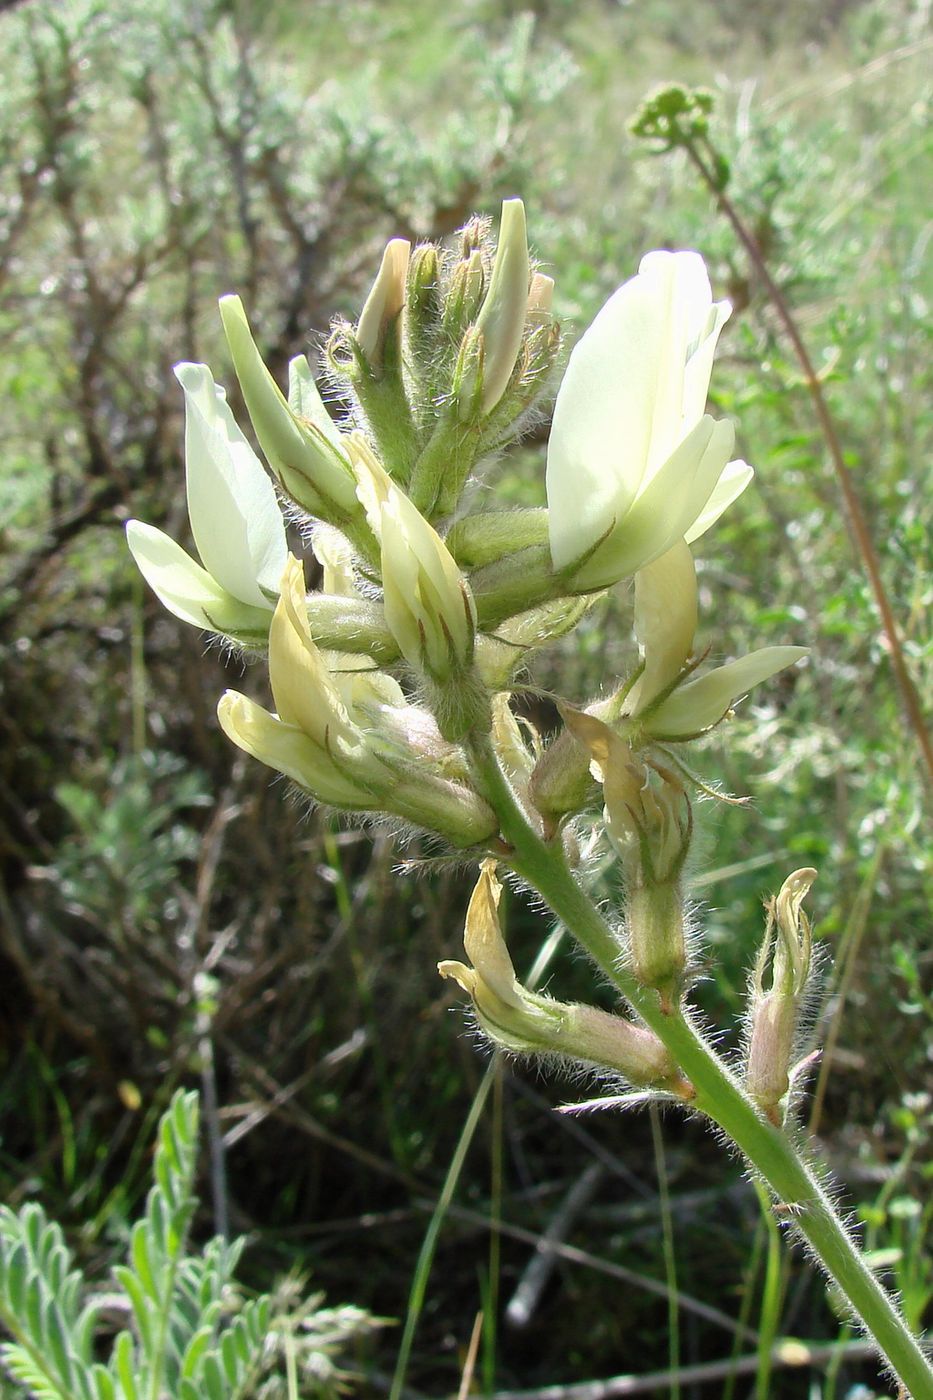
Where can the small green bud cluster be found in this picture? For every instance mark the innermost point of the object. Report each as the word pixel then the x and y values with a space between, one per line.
pixel 451 351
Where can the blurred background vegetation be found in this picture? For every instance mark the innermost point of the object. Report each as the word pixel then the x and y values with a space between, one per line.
pixel 166 917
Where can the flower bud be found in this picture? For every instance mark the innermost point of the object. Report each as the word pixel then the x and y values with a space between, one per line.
pixel 464 295
pixel 450 808
pixel 354 626
pixel 500 326
pixel 528 1023
pixel 422 312
pixel 774 1011
pixel 466 383
pixel 488 535
pixel 427 603
pixel 540 296
pixel 384 303
pixel 303 452
pixel 500 654
pixel 561 783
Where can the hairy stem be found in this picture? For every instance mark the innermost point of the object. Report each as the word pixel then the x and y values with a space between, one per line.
pixel 774 1155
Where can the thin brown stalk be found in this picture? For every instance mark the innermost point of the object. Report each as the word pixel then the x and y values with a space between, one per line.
pixel 852 506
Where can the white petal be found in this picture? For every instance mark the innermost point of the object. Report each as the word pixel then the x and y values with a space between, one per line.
pixel 304 399
pixel 733 481
pixel 682 299
pixel 186 589
pixel 286 748
pixel 699 365
pixel 603 420
pixel 235 517
pixel 665 622
pixel 701 703
pixel 664 511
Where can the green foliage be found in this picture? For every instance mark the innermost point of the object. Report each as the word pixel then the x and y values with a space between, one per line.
pixel 130 842
pixel 193 1336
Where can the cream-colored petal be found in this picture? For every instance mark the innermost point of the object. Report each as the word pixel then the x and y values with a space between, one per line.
pixel 732 482
pixel 666 508
pixel 699 366
pixel 385 300
pixel 483 941
pixel 303 457
pixel 501 320
pixel 665 622
pixel 189 591
pixel 235 517
pixel 703 702
pixel 304 399
pixel 289 750
pixel 427 603
pixel 302 688
pixel 681 297
pixel 603 420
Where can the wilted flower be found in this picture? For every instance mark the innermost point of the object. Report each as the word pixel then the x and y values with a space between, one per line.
pixel 634 465
pixel 327 737
pixel 528 1022
pixel 774 1010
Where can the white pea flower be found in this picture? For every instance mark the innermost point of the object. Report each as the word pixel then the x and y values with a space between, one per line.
pixel 634 464
pixel 235 520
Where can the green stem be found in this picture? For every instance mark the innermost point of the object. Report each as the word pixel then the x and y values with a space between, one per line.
pixel 771 1298
pixel 670 1258
pixel 719 1095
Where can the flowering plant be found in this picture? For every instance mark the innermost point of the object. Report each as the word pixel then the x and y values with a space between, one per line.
pixel 393 684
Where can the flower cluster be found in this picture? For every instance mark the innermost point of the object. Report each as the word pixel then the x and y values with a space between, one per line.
pixel 384 680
